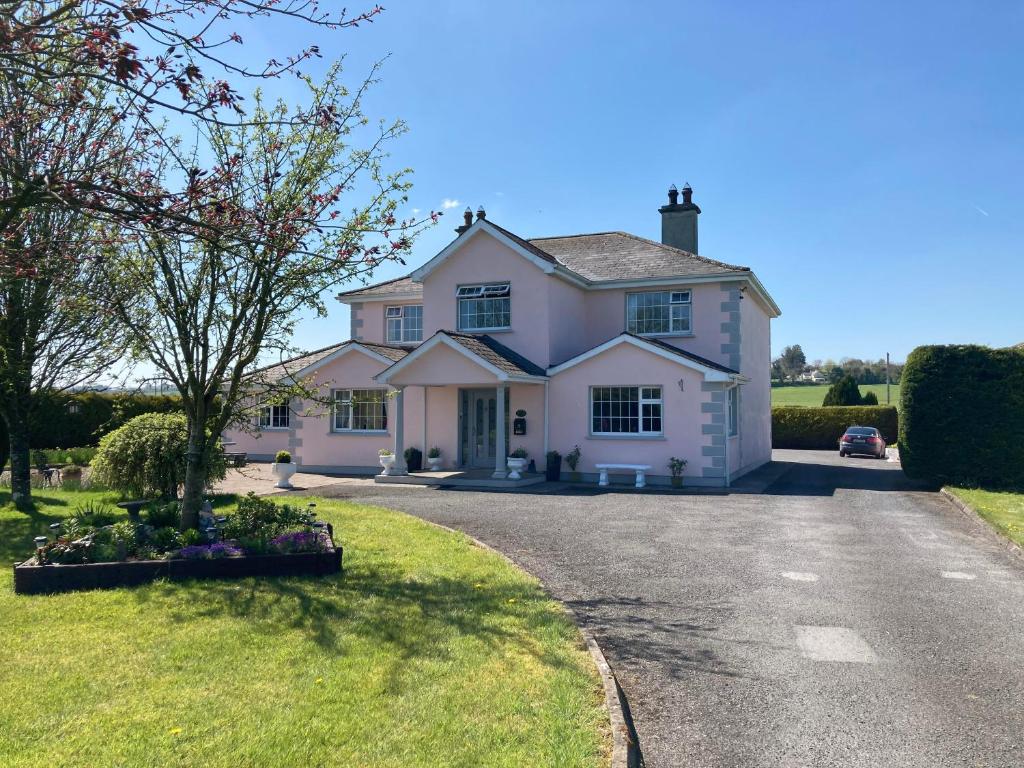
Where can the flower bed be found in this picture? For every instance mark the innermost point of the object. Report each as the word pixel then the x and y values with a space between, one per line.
pixel 260 539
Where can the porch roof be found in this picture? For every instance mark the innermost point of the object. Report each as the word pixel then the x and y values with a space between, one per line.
pixel 504 363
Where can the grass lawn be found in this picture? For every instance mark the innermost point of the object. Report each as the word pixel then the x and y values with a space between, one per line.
pixel 1004 510
pixel 427 651
pixel 813 394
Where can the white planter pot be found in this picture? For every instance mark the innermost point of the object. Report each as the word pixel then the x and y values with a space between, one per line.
pixel 435 463
pixel 283 473
pixel 515 467
pixel 387 462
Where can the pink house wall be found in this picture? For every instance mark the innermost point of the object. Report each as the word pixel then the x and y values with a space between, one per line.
pixel 368 323
pixel 485 260
pixel 569 411
pixel 755 406
pixel 260 445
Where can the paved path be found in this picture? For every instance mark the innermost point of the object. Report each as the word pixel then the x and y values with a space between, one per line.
pixel 832 616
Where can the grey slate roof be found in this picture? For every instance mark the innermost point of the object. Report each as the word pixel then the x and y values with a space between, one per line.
pixel 276 371
pixel 606 256
pixel 681 353
pixel 396 287
pixel 495 353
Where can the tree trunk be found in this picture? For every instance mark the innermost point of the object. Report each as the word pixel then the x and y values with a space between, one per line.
pixel 21 459
pixel 195 476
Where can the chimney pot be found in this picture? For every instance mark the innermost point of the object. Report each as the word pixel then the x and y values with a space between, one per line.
pixel 679 220
pixel 687 195
pixel 481 213
pixel 467 217
pixel 673 195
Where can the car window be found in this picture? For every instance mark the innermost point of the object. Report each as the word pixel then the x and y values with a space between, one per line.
pixel 860 431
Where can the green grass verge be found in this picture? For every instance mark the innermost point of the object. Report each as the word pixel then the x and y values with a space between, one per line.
pixel 427 651
pixel 1004 510
pixel 812 394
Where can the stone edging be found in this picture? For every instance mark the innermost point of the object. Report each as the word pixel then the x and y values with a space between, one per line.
pixel 625 751
pixel 991 533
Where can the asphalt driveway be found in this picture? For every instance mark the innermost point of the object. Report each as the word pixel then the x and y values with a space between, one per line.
pixel 826 613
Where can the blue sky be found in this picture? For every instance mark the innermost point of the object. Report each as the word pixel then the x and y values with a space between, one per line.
pixel 866 160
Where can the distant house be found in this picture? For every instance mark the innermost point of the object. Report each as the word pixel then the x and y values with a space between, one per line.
pixel 635 350
pixel 814 377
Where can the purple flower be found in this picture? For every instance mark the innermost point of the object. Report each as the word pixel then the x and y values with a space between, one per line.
pixel 298 541
pixel 209 551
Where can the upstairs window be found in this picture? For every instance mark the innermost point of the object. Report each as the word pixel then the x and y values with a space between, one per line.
pixel 658 313
pixel 274 417
pixel 484 307
pixel 405 324
pixel 360 410
pixel 625 411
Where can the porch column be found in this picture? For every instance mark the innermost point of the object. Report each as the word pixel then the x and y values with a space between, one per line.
pixel 400 467
pixel 500 460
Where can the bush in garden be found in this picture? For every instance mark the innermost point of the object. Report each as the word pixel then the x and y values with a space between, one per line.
pixel 146 457
pixel 820 428
pixel 164 515
pixel 843 392
pixel 962 420
pixel 870 398
pixel 256 521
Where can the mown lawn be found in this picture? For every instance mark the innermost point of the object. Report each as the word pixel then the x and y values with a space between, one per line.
pixel 427 651
pixel 1004 510
pixel 813 394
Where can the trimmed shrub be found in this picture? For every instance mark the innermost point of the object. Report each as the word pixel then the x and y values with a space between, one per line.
pixel 82 418
pixel 843 392
pixel 963 416
pixel 870 398
pixel 146 457
pixel 413 459
pixel 282 457
pixel 821 428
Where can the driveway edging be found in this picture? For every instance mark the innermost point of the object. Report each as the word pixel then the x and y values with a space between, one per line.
pixel 625 750
pixel 991 533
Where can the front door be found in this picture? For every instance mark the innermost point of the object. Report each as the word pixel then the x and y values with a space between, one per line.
pixel 478 415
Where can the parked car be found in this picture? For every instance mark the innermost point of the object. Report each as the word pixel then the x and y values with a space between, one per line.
pixel 862 440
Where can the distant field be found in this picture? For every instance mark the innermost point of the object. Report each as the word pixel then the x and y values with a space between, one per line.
pixel 813 395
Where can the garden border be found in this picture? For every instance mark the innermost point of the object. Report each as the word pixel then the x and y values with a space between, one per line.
pixel 990 532
pixel 54 579
pixel 625 746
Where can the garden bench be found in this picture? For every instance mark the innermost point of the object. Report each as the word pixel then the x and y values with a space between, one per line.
pixel 640 469
pixel 236 459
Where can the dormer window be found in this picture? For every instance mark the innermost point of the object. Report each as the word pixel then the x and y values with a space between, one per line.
pixel 658 313
pixel 485 307
pixel 405 324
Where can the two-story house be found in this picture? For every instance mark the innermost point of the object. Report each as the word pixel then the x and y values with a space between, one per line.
pixel 634 350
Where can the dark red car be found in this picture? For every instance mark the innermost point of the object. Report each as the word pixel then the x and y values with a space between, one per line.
pixel 867 441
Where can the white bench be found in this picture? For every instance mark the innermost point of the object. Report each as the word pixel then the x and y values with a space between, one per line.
pixel 640 469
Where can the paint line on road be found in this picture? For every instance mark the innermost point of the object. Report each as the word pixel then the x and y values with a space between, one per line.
pixel 799 576
pixel 834 644
pixel 959 575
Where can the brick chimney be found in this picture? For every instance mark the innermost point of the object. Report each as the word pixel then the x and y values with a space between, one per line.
pixel 467 217
pixel 679 220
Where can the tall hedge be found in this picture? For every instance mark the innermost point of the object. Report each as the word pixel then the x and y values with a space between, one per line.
pixel 820 428
pixel 65 420
pixel 963 416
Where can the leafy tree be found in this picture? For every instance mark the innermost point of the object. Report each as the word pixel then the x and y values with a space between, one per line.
pixel 793 361
pixel 205 308
pixel 843 392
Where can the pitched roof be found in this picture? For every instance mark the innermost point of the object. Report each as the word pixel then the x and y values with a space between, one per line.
pixel 400 286
pixel 292 366
pixel 495 353
pixel 682 353
pixel 603 256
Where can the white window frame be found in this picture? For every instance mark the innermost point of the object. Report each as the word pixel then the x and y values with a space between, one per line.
pixel 483 292
pixel 733 417
pixel 271 413
pixel 677 301
pixel 643 398
pixel 339 402
pixel 401 314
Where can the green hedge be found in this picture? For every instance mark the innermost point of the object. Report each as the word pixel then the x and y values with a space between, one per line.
pixel 821 428
pixel 963 416
pixel 60 420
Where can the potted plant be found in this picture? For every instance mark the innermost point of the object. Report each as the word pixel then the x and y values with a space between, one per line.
pixel 387 460
pixel 553 468
pixel 516 463
pixel 283 469
pixel 434 459
pixel 413 459
pixel 572 458
pixel 675 468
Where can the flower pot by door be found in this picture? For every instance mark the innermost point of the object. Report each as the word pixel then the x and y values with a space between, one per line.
pixel 387 462
pixel 283 473
pixel 677 482
pixel 435 463
pixel 515 468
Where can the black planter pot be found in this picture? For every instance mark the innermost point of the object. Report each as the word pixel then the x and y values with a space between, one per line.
pixel 553 469
pixel 414 459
